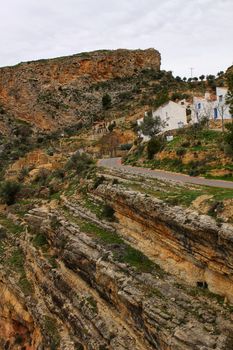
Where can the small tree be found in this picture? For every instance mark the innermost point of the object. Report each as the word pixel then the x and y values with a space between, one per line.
pixel 210 77
pixel 229 134
pixel 9 191
pixel 221 109
pixel 229 97
pixel 208 110
pixel 106 101
pixel 211 81
pixel 154 146
pixel 228 137
pixel 219 74
pixel 151 126
pixel 202 77
pixel 178 79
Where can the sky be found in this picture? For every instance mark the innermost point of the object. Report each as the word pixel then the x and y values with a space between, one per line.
pixel 188 33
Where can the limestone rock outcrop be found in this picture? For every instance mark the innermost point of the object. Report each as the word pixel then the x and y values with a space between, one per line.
pixel 192 246
pixel 89 292
pixel 59 92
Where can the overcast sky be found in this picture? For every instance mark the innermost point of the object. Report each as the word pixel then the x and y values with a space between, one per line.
pixel 188 33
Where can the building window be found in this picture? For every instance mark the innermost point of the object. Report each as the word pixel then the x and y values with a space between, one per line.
pixel 220 98
pixel 215 113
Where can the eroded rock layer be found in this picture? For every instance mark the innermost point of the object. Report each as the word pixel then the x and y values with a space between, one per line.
pixel 192 246
pixel 84 283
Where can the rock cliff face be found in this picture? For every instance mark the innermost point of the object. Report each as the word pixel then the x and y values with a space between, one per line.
pixel 191 246
pixel 83 285
pixel 55 93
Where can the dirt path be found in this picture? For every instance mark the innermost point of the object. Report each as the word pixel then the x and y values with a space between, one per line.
pixel 163 175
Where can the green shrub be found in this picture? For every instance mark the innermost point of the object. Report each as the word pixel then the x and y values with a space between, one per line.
pixel 194 172
pixel 179 96
pixel 42 176
pixel 55 223
pixel 106 101
pixel 185 144
pixel 126 146
pixel 154 146
pixel 228 138
pixel 50 151
pixel 81 163
pixel 23 173
pixel 228 150
pixel 108 212
pixel 139 150
pixel 59 173
pixel 180 152
pixel 40 240
pixel 18 339
pixel 98 181
pixel 9 191
pixel 161 98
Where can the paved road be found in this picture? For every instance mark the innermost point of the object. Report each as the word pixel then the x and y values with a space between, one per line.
pixel 163 175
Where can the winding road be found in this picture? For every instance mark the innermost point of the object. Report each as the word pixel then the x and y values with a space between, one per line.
pixel 115 163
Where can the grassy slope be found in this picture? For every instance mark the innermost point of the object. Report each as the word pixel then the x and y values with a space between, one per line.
pixel 197 154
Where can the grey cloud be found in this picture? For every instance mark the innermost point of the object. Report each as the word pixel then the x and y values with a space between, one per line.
pixel 195 33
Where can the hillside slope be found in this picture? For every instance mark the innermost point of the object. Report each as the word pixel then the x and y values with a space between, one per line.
pixel 94 258
pixel 54 93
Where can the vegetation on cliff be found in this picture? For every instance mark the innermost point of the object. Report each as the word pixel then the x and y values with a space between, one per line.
pixel 196 151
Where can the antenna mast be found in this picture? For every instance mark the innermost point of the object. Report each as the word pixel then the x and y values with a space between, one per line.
pixel 191 70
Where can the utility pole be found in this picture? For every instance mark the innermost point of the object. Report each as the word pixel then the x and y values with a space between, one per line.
pixel 191 70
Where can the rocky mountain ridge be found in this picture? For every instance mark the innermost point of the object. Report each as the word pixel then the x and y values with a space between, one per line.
pixel 51 94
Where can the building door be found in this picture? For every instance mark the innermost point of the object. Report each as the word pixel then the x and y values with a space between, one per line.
pixel 215 113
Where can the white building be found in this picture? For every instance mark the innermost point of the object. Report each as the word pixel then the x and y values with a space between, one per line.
pixel 202 107
pixel 172 114
pixel 211 108
pixel 221 109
